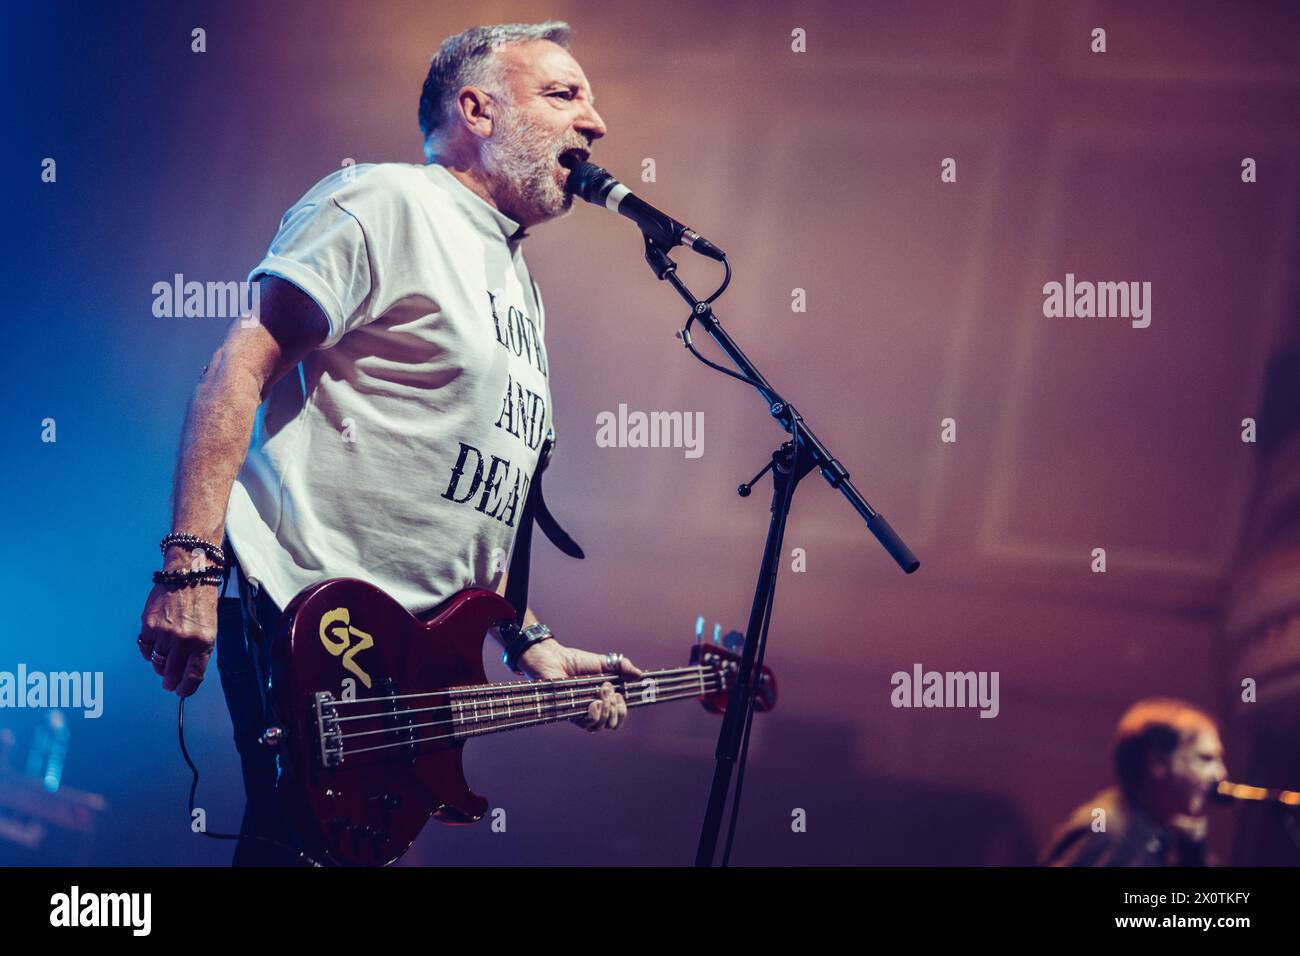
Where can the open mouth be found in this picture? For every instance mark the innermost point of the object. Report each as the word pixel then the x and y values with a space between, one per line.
pixel 572 156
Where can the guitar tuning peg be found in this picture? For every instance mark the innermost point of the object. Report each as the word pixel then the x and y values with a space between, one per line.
pixel 733 641
pixel 699 629
pixel 717 634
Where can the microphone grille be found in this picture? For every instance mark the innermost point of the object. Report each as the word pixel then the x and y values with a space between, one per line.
pixel 588 181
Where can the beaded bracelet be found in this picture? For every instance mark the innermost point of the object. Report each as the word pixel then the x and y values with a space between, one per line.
pixel 193 541
pixel 212 575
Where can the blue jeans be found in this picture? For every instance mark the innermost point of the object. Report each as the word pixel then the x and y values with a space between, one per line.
pixel 244 629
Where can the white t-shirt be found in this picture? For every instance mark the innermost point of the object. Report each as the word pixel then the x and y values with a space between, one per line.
pixel 402 451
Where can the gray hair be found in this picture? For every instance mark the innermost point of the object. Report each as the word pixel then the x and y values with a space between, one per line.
pixel 469 59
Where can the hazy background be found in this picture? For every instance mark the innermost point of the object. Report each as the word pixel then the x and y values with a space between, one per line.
pixel 817 171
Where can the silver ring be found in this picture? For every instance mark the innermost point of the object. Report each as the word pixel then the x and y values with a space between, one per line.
pixel 157 658
pixel 611 662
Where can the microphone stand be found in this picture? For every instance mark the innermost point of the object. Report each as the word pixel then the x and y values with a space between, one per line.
pixel 789 464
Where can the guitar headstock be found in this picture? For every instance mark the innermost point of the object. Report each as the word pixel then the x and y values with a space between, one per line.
pixel 725 664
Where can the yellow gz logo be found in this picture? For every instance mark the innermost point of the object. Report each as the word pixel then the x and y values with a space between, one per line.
pixel 336 633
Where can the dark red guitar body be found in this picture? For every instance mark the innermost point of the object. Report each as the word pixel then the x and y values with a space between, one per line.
pixel 336 636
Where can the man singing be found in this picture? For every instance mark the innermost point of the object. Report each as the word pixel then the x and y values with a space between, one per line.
pixel 398 376
pixel 1168 759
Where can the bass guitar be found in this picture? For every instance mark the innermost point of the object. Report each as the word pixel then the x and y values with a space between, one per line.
pixel 374 706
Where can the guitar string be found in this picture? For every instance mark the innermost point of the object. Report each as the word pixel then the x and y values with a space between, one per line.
pixel 696 688
pixel 588 683
pixel 576 709
pixel 482 731
pixel 537 689
pixel 480 688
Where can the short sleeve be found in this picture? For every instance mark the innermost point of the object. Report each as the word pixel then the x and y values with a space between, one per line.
pixel 321 248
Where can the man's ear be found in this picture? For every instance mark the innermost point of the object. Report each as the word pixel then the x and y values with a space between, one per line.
pixel 1157 769
pixel 476 110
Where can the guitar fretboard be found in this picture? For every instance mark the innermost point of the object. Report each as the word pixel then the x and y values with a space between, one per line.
pixel 491 708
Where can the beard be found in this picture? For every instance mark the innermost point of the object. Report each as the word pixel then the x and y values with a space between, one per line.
pixel 521 162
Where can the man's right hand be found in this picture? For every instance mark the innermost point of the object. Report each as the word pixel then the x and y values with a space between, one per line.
pixel 178 629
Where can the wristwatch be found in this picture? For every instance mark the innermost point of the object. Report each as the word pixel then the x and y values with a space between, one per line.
pixel 518 640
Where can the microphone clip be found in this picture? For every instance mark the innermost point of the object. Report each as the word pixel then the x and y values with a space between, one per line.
pixel 657 257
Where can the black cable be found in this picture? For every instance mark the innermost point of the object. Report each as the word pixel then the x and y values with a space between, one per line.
pixel 685 335
pixel 194 784
pixel 726 281
pixel 690 346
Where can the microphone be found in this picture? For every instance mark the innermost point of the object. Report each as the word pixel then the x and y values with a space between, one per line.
pixel 1227 792
pixel 588 181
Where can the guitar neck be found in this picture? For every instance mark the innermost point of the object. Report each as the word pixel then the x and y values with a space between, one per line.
pixel 493 708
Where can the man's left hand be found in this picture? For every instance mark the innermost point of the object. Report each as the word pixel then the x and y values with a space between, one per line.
pixel 551 660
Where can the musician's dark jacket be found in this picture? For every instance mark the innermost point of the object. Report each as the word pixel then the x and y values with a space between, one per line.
pixel 1131 838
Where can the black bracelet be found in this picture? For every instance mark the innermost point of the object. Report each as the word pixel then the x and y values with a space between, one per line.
pixel 212 575
pixel 518 640
pixel 193 542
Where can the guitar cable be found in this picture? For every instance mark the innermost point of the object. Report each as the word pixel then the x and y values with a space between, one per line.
pixel 194 784
pixel 242 834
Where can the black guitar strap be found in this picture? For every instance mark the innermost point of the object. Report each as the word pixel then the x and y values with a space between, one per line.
pixel 534 508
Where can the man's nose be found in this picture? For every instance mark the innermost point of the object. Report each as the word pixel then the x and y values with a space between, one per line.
pixel 590 125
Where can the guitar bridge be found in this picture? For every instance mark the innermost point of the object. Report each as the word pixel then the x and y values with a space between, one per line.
pixel 327 730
